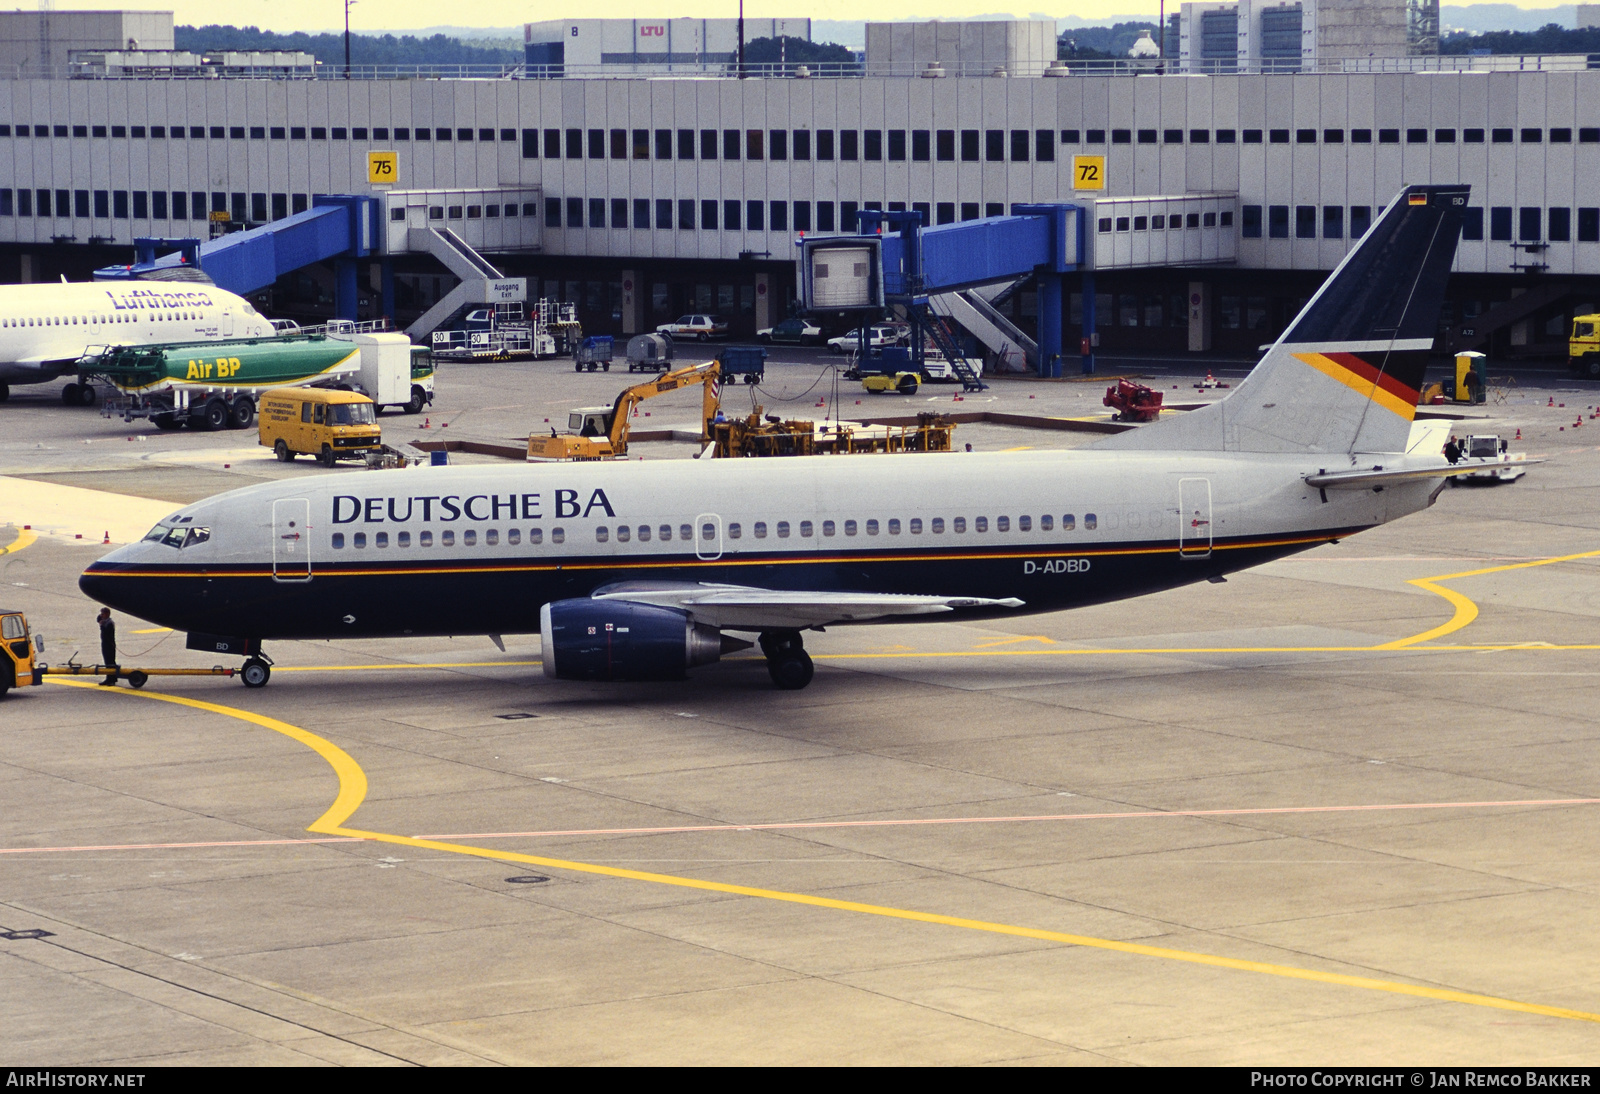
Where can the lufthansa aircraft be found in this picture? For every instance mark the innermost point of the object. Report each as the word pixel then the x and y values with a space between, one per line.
pixel 46 328
pixel 637 570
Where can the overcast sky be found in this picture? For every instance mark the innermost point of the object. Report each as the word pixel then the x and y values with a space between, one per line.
pixel 379 15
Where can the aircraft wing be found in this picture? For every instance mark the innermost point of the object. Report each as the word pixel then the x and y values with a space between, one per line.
pixel 742 607
pixel 1366 478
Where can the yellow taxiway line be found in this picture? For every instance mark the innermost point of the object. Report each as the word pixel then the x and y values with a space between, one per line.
pixel 353 789
pixel 24 538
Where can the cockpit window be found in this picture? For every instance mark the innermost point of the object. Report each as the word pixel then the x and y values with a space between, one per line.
pixel 351 414
pixel 177 537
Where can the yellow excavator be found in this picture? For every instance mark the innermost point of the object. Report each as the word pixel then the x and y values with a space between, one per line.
pixel 601 432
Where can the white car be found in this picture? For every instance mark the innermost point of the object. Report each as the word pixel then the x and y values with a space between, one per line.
pixel 702 327
pixel 877 338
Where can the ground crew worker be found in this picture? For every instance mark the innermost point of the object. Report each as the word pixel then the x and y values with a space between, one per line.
pixel 108 647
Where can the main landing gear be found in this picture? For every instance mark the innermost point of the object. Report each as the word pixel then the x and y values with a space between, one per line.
pixel 787 661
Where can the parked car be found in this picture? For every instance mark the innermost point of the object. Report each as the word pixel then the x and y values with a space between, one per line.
pixel 701 327
pixel 877 338
pixel 798 332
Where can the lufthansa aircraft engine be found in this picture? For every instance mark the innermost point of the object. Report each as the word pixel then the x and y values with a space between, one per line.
pixel 586 639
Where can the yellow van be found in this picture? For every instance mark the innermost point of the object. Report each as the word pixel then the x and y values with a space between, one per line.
pixel 330 425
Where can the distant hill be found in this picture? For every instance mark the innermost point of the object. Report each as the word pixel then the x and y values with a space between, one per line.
pixel 1547 39
pixel 365 49
pixel 1481 18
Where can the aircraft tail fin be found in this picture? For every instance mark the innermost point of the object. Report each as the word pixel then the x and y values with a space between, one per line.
pixel 1345 375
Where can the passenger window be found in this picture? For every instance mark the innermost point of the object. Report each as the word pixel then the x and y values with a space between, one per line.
pixel 686 531
pixel 849 527
pixel 894 527
pixel 644 533
pixel 1024 524
pixel 708 531
pixel 937 526
pixel 338 541
pixel 1046 523
pixel 402 539
pixel 424 539
pixel 469 538
pixel 783 529
pixel 558 535
pixel 666 532
pixel 535 536
pixel 805 529
pixel 361 539
pixel 491 537
pixel 601 534
pixel 446 539
pixel 827 527
pixel 916 526
pixel 380 539
pixel 980 524
pixel 513 536
pixel 1068 522
pixel 761 529
pixel 733 531
pixel 872 527
pixel 958 525
pixel 1001 524
pixel 1088 522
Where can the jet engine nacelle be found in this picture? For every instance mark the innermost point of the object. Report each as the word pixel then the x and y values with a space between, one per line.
pixel 584 639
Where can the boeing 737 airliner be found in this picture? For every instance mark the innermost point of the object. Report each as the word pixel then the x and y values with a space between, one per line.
pixel 636 570
pixel 45 328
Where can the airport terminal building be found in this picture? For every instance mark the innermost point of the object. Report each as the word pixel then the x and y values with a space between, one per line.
pixel 643 196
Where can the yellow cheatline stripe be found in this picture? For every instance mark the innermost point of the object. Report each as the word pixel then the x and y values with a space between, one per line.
pixel 353 789
pixel 1466 611
pixel 153 630
pixel 1362 386
pixel 24 538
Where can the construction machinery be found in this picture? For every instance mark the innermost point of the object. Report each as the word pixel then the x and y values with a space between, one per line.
pixel 758 435
pixel 601 432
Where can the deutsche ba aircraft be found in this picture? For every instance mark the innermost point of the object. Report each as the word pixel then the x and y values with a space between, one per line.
pixel 634 571
pixel 46 328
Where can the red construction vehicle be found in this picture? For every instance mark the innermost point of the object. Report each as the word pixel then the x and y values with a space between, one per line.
pixel 1133 402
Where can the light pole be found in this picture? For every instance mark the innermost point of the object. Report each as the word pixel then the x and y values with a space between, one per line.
pixel 347 4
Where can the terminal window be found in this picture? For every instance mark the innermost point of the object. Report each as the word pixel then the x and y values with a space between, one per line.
pixel 1528 219
pixel 1305 222
pixel 1172 136
pixel 664 213
pixel 1388 136
pixel 754 142
pixel 619 212
pixel 1278 136
pixel 1226 136
pixel 552 144
pixel 824 144
pixel 686 144
pixel 1471 223
pixel 778 144
pixel 552 212
pixel 61 131
pixel 403 133
pixel 530 144
pixel 1416 136
pixel 872 145
pixel 921 145
pixel 997 209
pixel 1444 136
pixel 754 215
pixel 1472 136
pixel 730 215
pixel 1250 222
pixel 1019 146
pixel 574 144
pixel 685 214
pixel 1333 222
pixel 1589 225
pixel 296 133
pixel 597 144
pixel 619 144
pixel 969 210
pixel 1044 146
pixel 508 136
pixel 824 216
pixel 802 144
pixel 944 141
pixel 847 216
pixel 1121 136
pixel 1251 136
pixel 641 212
pixel 1147 136
pixel 708 144
pixel 1500 136
pixel 318 133
pixel 1094 136
pixel 1589 136
pixel 574 212
pixel 969 145
pixel 1560 225
pixel 1277 222
pixel 802 216
pixel 1305 136
pixel 730 145
pixel 848 139
pixel 663 144
pixel 1500 223
pixel 779 216
pixel 897 145
pixel 298 203
pixel 1532 136
pixel 1560 136
pixel 80 131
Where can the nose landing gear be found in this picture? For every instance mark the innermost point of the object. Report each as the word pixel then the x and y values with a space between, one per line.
pixel 787 661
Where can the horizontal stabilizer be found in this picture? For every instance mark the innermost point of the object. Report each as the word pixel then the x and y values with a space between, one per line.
pixel 742 607
pixel 1361 479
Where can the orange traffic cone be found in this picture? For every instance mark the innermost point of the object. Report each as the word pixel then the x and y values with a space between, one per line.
pixel 1519 434
pixel 1552 401
pixel 107 540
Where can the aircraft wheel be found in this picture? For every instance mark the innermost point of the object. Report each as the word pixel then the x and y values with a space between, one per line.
pixel 327 458
pixel 85 395
pixel 215 415
pixel 70 395
pixel 5 392
pixel 419 399
pixel 281 450
pixel 243 414
pixel 137 679
pixel 255 673
pixel 791 670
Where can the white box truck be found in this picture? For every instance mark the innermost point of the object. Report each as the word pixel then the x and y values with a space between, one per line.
pixel 392 373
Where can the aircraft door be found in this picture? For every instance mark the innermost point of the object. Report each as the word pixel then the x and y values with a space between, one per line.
pixel 291 540
pixel 225 322
pixel 708 536
pixel 1194 518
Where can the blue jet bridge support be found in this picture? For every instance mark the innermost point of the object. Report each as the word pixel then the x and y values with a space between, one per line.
pixel 1045 240
pixel 341 228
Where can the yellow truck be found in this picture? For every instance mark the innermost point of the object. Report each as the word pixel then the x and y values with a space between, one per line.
pixel 1583 349
pixel 328 424
pixel 17 649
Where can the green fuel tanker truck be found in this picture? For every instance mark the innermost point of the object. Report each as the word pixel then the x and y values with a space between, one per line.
pixel 215 385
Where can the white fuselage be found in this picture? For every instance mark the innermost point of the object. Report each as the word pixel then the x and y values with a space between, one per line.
pixel 46 328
